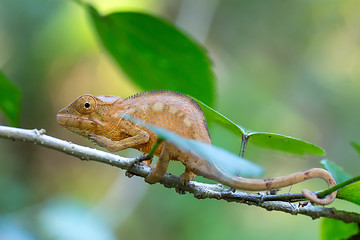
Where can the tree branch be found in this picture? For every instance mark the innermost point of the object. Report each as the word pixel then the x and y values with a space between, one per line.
pixel 199 190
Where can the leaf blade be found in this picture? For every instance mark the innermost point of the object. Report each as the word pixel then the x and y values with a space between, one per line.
pixel 350 193
pixel 214 116
pixel 335 170
pixel 9 100
pixel 227 162
pixel 154 54
pixel 263 139
pixel 356 146
pixel 284 143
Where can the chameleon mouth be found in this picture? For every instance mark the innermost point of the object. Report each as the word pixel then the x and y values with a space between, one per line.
pixel 66 120
pixel 79 125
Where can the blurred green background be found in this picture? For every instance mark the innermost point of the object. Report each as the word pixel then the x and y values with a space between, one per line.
pixel 289 67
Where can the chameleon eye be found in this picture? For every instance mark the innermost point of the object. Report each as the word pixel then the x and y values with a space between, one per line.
pixel 86 104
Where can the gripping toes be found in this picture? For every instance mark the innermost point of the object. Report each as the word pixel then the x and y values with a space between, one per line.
pixel 153 177
pixel 186 177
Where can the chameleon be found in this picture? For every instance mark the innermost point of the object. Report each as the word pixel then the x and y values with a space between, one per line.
pixel 101 119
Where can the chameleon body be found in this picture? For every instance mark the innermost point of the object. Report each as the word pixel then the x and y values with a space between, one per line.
pixel 101 119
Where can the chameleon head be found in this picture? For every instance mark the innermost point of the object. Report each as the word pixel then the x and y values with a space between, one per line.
pixel 85 115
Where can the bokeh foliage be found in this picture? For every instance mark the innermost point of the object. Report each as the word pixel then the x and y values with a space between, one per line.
pixel 9 100
pixel 285 67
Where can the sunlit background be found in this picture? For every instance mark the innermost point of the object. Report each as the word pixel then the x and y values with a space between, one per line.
pixel 289 67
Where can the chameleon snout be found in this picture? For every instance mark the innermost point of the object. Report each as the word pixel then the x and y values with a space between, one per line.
pixel 63 116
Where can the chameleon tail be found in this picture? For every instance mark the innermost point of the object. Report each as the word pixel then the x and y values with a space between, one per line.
pixel 274 183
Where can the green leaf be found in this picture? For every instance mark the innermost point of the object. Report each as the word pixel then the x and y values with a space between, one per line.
pixel 9 100
pixel 225 161
pixel 284 143
pixel 348 187
pixel 154 54
pixel 356 146
pixel 335 170
pixel 332 229
pixel 214 116
pixel 262 139
pixel 350 193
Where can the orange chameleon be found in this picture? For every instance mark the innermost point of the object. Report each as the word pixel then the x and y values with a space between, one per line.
pixel 100 119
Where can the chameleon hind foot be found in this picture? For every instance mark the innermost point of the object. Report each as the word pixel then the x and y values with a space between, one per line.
pixel 187 176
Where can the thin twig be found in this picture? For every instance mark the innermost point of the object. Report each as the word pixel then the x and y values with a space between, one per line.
pixel 199 190
pixel 338 186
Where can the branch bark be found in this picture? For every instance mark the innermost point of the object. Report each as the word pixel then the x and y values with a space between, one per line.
pixel 199 190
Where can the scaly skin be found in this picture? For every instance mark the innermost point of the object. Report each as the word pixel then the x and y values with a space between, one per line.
pixel 100 119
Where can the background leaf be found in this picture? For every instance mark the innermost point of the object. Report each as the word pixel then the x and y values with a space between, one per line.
pixel 335 170
pixel 9 100
pixel 356 146
pixel 154 54
pixel 350 193
pixel 284 143
pixel 332 229
pixel 268 140
pixel 228 162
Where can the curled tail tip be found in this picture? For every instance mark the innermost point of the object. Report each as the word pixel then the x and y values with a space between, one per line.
pixel 315 199
pixel 322 173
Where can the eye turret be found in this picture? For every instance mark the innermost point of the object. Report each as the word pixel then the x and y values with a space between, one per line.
pixel 86 104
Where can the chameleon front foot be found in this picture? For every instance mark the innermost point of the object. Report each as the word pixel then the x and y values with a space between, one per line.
pixel 142 160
